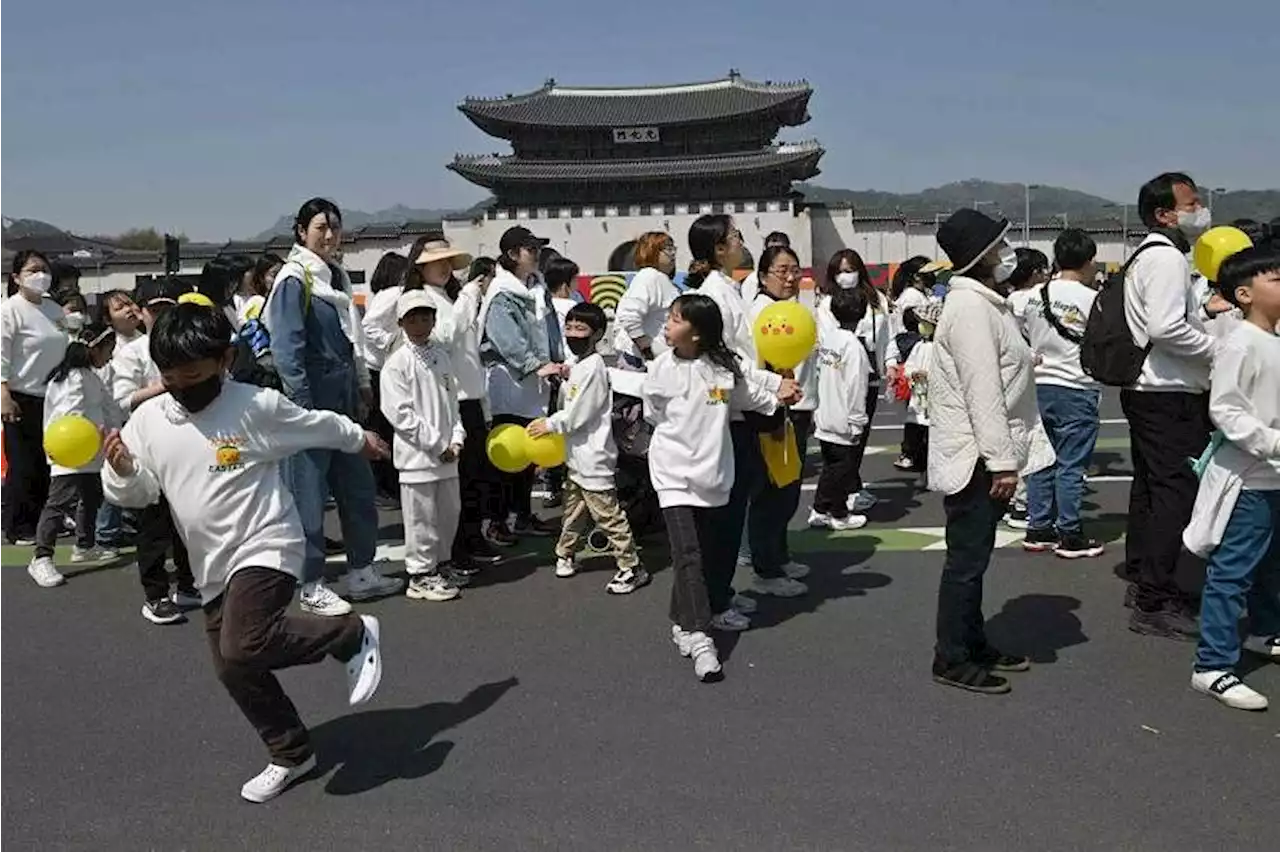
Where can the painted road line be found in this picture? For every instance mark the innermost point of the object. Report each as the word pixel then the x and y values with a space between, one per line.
pixel 896 484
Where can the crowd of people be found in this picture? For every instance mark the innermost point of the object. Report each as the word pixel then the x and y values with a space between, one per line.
pixel 394 405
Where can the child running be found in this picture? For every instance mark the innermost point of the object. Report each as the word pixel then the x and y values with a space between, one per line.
pixel 586 422
pixel 844 370
pixel 76 388
pixel 214 447
pixel 689 394
pixel 419 398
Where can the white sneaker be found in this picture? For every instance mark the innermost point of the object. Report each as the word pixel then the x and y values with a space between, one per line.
pixel 700 647
pixel 44 573
pixel 796 570
pixel 730 621
pixel 274 780
pixel 431 587
pixel 1267 646
pixel 365 584
pixel 780 587
pixel 1228 689
pixel 566 567
pixel 319 599
pixel 364 670
pixel 744 604
pixel 93 554
pixel 849 522
pixel 862 501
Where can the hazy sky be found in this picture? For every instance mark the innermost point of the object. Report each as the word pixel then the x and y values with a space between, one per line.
pixel 215 118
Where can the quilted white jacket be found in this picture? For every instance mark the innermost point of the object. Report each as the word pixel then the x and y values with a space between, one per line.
pixel 982 393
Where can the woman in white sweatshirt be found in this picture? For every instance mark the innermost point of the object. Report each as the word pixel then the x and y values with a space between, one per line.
pixel 689 395
pixel 642 311
pixel 381 336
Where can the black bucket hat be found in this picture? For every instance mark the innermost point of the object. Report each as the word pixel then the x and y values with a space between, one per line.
pixel 967 235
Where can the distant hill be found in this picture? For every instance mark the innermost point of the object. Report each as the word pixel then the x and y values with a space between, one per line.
pixel 397 215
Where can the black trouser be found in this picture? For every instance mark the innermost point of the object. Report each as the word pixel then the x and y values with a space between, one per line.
pixel 860 443
pixel 476 477
pixel 515 490
pixel 66 492
pixel 802 422
pixel 1165 430
pixel 972 517
pixel 838 479
pixel 915 444
pixel 26 482
pixel 700 578
pixel 385 475
pixel 250 636
pixel 156 535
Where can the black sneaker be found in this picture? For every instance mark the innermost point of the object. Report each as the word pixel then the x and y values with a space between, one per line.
pixel 333 546
pixel 1017 519
pixel 1040 541
pixel 1074 545
pixel 534 526
pixel 482 553
pixel 499 536
pixel 998 661
pixel 971 676
pixel 1165 624
pixel 464 567
pixel 163 611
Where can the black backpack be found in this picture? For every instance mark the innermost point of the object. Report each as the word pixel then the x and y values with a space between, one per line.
pixel 1107 351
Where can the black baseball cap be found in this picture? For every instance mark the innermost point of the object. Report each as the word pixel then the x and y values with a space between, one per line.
pixel 519 237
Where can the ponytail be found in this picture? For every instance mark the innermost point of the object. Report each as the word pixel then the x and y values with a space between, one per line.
pixel 724 357
pixel 698 272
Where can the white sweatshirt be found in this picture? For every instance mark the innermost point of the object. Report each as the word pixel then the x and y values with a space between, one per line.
pixel 844 373
pixel 466 351
pixel 131 370
pixel 642 311
pixel 81 392
pixel 419 398
pixel 737 329
pixel 586 421
pixel 919 361
pixel 1163 309
pixel 1059 358
pixel 220 470
pixel 32 343
pixel 689 402
pixel 1019 303
pixel 1245 405
pixel 381 330
pixel 806 373
pixel 875 330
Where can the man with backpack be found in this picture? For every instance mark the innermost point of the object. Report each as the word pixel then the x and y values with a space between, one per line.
pixel 1161 356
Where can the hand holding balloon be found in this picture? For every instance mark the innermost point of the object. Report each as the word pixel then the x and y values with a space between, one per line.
pixel 118 455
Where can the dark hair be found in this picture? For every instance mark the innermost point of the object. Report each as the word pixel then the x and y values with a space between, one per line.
pixel 849 306
pixel 1030 261
pixel 830 287
pixel 77 356
pixel 220 278
pixel 393 270
pixel 310 210
pixel 706 232
pixel 1257 232
pixel 66 282
pixel 20 260
pixel 1074 249
pixel 481 267
pixel 704 315
pixel 76 299
pixel 102 313
pixel 1241 268
pixel 558 272
pixel 150 289
pixel 777 238
pixel 590 313
pixel 260 270
pixel 188 333
pixel 908 271
pixel 1157 194
pixel 767 258
pixel 545 255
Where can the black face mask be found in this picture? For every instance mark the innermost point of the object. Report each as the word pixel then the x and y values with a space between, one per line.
pixel 581 346
pixel 198 396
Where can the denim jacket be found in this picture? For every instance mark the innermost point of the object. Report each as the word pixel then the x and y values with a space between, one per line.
pixel 512 334
pixel 313 355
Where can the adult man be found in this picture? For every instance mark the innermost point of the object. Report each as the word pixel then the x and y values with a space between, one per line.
pixel 1168 406
pixel 751 284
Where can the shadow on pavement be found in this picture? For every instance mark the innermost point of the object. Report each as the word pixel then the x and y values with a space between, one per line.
pixel 1038 626
pixel 378 746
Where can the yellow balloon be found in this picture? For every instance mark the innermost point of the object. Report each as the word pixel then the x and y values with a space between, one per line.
pixel 785 334
pixel 1216 245
pixel 547 451
pixel 508 448
pixel 72 441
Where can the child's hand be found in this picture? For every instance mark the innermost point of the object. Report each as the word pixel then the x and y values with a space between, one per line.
pixel 546 371
pixel 374 447
pixel 451 454
pixel 538 428
pixel 789 393
pixel 118 455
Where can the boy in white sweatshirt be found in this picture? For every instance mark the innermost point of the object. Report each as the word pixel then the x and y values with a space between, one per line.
pixel 843 375
pixel 419 398
pixel 586 421
pixel 214 447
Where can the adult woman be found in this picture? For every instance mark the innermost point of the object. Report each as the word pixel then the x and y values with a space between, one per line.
pixel 910 289
pixel 716 246
pixel 984 432
pixel 642 311
pixel 847 270
pixel 515 350
pixel 381 335
pixel 315 338
pixel 34 339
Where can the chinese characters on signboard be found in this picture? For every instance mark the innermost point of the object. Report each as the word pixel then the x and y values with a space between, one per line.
pixel 635 134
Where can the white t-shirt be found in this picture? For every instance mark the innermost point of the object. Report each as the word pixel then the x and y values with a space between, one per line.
pixel 33 342
pixel 1019 300
pixel 642 312
pixel 1243 402
pixel 1059 358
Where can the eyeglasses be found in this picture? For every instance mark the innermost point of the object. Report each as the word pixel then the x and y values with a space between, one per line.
pixel 785 271
pixel 735 234
pixel 669 249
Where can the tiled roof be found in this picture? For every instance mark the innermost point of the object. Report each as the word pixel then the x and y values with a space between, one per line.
pixel 646 106
pixel 800 159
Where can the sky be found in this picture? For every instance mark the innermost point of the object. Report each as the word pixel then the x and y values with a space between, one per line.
pixel 214 119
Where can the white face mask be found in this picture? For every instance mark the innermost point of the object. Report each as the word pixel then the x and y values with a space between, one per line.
pixel 37 282
pixel 847 280
pixel 1008 263
pixel 1193 223
pixel 73 322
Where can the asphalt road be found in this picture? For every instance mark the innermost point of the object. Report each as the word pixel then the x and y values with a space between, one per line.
pixel 537 713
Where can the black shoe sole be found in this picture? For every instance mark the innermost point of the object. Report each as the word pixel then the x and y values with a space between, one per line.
pixel 1002 689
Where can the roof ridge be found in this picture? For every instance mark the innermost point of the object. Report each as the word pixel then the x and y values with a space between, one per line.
pixel 733 80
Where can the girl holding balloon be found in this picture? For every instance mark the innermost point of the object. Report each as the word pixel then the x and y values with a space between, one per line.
pixel 76 397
